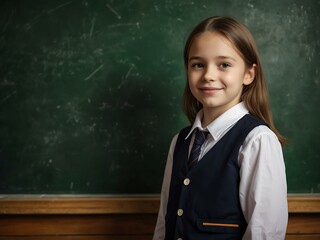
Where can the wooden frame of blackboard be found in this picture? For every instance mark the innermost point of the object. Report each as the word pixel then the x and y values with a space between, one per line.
pixel 117 204
pixel 117 217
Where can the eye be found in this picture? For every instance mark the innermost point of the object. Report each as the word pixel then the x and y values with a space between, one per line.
pixel 225 65
pixel 197 65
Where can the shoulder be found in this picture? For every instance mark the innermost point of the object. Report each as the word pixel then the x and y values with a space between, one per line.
pixel 174 141
pixel 261 148
pixel 254 120
pixel 185 131
pixel 179 136
pixel 173 144
pixel 261 135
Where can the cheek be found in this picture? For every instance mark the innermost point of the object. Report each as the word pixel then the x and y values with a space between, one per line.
pixel 234 78
pixel 192 84
pixel 193 77
pixel 189 74
pixel 190 78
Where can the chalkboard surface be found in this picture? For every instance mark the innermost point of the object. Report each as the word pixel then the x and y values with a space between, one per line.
pixel 90 91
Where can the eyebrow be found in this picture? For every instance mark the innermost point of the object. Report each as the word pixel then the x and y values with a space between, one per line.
pixel 218 57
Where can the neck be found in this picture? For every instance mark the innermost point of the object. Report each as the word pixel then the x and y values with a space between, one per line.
pixel 209 115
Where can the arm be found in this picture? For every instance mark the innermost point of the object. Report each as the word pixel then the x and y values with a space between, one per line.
pixel 263 187
pixel 160 230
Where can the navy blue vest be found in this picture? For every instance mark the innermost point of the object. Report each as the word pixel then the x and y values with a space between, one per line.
pixel 204 202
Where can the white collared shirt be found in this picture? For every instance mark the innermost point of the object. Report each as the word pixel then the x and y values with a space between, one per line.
pixel 263 186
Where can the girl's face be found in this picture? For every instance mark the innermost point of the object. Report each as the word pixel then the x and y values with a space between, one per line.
pixel 216 72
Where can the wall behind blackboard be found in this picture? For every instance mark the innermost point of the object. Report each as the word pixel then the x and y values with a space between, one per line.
pixel 90 91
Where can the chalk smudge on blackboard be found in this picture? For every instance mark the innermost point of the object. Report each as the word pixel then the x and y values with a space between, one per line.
pixel 91 128
pixel 104 106
pixel 7 97
pixel 137 24
pixel 58 7
pixel 113 11
pixel 128 73
pixel 52 138
pixel 123 82
pixel 93 21
pixel 156 7
pixel 73 111
pixel 94 72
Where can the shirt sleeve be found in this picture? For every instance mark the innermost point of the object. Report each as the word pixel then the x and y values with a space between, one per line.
pixel 263 186
pixel 160 229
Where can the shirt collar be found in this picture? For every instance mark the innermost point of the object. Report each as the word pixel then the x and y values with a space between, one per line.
pixel 222 123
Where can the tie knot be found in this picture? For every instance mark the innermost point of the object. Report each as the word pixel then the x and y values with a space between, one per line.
pixel 200 137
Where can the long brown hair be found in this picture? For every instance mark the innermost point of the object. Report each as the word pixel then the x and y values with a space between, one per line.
pixel 255 95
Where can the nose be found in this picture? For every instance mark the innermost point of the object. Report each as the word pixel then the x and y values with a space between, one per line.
pixel 210 73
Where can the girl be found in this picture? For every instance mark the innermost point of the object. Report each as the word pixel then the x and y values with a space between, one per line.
pixel 225 174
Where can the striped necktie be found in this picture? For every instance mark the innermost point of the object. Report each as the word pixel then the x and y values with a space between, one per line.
pixel 196 148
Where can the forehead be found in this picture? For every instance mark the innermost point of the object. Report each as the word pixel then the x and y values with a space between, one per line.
pixel 211 45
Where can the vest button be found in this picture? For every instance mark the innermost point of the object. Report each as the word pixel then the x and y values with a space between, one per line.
pixel 186 182
pixel 180 212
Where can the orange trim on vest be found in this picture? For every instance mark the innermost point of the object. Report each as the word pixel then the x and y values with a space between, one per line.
pixel 220 225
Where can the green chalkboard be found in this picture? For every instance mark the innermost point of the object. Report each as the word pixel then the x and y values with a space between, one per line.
pixel 90 91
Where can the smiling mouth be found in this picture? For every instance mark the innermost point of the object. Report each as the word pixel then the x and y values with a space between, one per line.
pixel 210 89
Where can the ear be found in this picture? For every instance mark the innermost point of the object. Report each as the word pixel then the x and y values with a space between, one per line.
pixel 249 75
